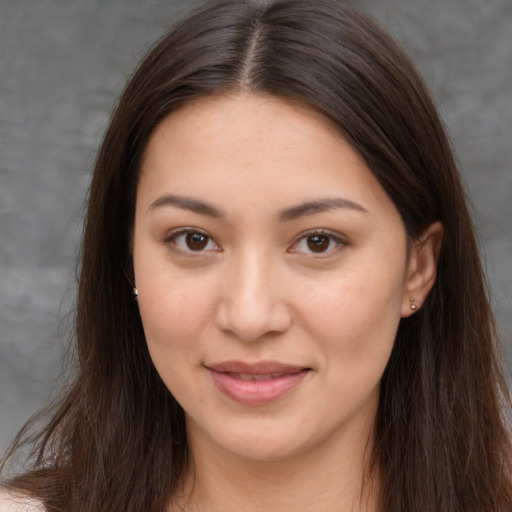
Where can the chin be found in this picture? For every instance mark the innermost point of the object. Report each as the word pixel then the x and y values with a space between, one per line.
pixel 261 450
pixel 253 439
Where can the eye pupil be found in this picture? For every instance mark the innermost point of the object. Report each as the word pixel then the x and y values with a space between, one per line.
pixel 196 241
pixel 318 243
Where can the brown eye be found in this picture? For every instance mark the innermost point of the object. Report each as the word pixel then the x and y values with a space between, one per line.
pixel 318 243
pixel 189 241
pixel 196 241
pixel 321 243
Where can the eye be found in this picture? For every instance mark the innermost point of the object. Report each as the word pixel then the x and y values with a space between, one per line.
pixel 191 241
pixel 319 242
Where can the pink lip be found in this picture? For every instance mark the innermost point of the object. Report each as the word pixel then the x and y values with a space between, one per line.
pixel 230 378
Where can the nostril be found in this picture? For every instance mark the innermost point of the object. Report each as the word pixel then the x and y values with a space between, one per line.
pixel 252 320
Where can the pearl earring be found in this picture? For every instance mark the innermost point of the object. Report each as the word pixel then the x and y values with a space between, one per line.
pixel 413 306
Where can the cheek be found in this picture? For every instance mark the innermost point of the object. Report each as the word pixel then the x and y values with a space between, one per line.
pixel 355 317
pixel 174 318
pixel 175 306
pixel 173 311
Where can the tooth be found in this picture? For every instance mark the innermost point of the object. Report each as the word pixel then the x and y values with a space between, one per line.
pixel 265 376
pixel 256 377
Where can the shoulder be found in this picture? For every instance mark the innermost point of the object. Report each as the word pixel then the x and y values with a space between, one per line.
pixel 12 502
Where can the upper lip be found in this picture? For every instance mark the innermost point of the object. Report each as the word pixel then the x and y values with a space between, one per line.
pixel 260 368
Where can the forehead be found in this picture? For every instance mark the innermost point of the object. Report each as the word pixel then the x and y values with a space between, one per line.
pixel 261 147
pixel 229 121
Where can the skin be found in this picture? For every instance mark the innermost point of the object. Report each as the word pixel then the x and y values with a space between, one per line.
pixel 257 288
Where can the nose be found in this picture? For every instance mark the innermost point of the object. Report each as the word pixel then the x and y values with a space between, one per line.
pixel 252 304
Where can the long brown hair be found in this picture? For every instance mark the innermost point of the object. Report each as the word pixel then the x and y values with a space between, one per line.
pixel 116 440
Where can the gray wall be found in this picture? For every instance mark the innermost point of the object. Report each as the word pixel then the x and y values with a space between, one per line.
pixel 62 65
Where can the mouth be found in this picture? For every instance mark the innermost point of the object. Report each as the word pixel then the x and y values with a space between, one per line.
pixel 257 377
pixel 256 384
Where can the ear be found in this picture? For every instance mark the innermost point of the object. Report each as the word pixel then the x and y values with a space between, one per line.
pixel 421 268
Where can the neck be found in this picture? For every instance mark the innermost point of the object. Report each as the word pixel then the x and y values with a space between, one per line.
pixel 325 479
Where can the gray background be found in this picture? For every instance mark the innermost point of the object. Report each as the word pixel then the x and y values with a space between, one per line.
pixel 64 62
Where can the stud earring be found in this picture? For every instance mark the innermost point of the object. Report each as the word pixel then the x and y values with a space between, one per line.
pixel 413 306
pixel 135 293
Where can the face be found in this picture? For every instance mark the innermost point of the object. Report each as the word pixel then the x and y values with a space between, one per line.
pixel 272 273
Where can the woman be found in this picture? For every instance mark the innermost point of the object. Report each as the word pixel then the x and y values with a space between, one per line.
pixel 309 327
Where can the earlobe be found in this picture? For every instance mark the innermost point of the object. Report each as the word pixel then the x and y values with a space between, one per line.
pixel 422 268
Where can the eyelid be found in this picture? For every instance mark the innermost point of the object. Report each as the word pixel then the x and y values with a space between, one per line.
pixel 334 236
pixel 175 233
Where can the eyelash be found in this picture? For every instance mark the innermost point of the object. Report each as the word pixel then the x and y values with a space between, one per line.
pixel 302 238
pixel 332 238
pixel 175 235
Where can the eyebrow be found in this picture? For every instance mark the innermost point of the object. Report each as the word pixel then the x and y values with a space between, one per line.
pixel 318 206
pixel 187 203
pixel 286 214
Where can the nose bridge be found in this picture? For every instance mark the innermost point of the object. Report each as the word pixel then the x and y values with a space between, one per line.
pixel 252 304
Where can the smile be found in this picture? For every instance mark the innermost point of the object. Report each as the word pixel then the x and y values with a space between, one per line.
pixel 248 376
pixel 258 384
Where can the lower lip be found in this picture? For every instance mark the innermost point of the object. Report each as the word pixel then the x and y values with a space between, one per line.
pixel 254 392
